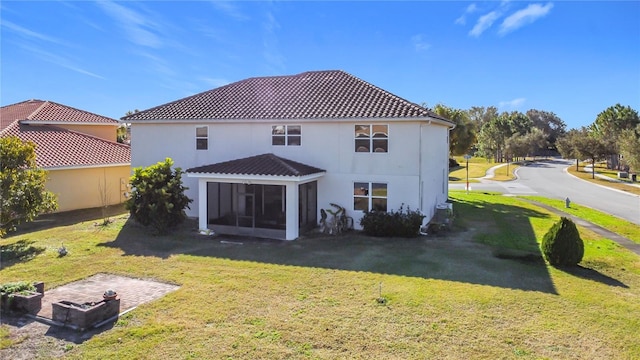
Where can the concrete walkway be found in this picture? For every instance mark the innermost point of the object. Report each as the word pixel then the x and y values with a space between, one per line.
pixel 623 241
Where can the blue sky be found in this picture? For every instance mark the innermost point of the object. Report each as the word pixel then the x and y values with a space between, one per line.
pixel 574 58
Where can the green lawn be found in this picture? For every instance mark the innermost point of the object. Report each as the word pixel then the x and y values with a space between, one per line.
pixel 445 297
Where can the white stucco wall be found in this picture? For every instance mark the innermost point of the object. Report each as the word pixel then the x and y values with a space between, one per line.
pixel 329 146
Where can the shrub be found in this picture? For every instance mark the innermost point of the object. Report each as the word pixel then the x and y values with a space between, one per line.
pixel 453 163
pixel 562 245
pixel 157 196
pixel 394 223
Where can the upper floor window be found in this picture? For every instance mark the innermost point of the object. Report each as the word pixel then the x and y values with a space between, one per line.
pixel 372 138
pixel 202 137
pixel 369 196
pixel 286 135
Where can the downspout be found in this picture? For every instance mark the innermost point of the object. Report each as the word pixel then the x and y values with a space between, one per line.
pixel 420 181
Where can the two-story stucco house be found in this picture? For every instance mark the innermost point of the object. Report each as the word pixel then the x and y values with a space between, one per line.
pixel 264 155
pixel 86 166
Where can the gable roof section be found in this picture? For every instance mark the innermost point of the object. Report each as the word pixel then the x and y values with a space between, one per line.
pixel 259 165
pixel 332 94
pixel 49 112
pixel 60 148
pixel 34 120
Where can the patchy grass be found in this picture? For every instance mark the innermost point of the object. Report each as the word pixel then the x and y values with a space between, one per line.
pixel 619 226
pixel 622 186
pixel 5 337
pixel 318 297
pixel 477 168
pixel 505 173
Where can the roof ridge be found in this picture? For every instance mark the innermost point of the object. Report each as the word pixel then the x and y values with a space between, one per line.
pixel 284 162
pixel 29 117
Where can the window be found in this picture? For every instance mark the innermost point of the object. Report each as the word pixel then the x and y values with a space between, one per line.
pixel 369 196
pixel 372 138
pixel 202 137
pixel 286 135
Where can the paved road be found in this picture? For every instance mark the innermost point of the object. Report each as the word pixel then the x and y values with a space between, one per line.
pixel 549 179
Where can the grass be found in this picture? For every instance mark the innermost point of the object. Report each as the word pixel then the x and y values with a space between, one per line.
pixel 619 226
pixel 622 186
pixel 477 168
pixel 318 298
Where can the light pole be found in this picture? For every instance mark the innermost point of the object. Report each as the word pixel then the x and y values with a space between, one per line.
pixel 467 157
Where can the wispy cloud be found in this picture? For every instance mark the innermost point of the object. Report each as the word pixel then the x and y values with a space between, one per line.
pixel 139 28
pixel 29 34
pixel 484 22
pixel 419 43
pixel 59 60
pixel 214 82
pixel 511 104
pixel 469 10
pixel 274 59
pixel 523 17
pixel 230 9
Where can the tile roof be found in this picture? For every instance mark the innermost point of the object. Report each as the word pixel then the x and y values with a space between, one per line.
pixel 49 112
pixel 331 94
pixel 265 164
pixel 58 147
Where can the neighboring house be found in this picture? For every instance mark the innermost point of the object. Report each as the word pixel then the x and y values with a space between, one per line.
pixel 87 167
pixel 264 155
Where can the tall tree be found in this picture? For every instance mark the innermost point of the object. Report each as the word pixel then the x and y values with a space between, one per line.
pixel 566 147
pixel 590 147
pixel 479 115
pixel 630 148
pixel 551 125
pixel 493 136
pixel 22 185
pixel 463 136
pixel 610 123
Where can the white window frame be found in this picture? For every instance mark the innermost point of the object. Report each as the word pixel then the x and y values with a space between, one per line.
pixel 286 135
pixel 371 139
pixel 368 194
pixel 201 137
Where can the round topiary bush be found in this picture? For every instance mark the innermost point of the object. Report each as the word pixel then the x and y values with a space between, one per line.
pixel 562 245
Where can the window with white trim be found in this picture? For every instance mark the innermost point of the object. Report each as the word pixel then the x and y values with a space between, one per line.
pixel 286 135
pixel 372 138
pixel 369 196
pixel 202 137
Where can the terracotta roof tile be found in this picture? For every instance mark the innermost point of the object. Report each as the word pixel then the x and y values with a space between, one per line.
pixel 49 112
pixel 332 94
pixel 57 147
pixel 265 164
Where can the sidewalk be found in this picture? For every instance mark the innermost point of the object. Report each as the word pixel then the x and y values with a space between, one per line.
pixel 621 240
pixel 587 169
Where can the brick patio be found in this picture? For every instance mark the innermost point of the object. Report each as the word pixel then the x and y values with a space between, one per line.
pixel 132 292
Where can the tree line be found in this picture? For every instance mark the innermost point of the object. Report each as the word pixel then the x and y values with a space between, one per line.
pixel 614 135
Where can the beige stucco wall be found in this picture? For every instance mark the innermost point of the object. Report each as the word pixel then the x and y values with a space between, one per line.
pixel 82 188
pixel 106 132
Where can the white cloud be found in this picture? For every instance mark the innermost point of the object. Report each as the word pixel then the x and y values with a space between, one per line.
pixel 523 17
pixel 511 104
pixel 419 43
pixel 469 10
pixel 230 9
pixel 140 29
pixel 275 61
pixel 484 22
pixel 60 61
pixel 214 82
pixel 29 34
